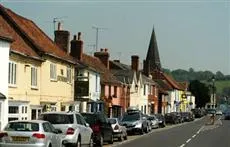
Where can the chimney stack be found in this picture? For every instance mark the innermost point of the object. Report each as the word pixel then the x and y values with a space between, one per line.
pixel 135 62
pixel 76 49
pixel 103 55
pixel 62 38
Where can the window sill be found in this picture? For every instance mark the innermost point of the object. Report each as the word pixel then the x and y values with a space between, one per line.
pixel 12 86
pixel 53 80
pixel 34 88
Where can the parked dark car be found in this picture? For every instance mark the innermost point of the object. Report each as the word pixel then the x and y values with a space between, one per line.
pixel 227 114
pixel 198 112
pixel 102 129
pixel 173 118
pixel 161 120
pixel 187 116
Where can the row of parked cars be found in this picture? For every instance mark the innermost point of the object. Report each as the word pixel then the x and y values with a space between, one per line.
pixel 65 129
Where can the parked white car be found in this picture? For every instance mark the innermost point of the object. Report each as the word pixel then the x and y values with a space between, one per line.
pixel 77 132
pixel 119 131
pixel 35 133
pixel 219 112
pixel 154 121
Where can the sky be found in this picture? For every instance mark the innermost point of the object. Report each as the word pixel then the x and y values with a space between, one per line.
pixel 190 34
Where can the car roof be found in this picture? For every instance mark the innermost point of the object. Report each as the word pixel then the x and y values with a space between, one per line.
pixel 62 112
pixel 30 121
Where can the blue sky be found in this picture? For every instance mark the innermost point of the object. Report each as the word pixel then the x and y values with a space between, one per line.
pixel 189 33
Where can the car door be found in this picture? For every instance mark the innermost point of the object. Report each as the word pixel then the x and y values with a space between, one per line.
pixel 87 130
pixel 108 131
pixel 57 137
pixel 81 126
pixel 50 134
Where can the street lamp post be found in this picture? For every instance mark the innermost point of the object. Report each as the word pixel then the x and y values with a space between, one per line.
pixel 213 92
pixel 213 103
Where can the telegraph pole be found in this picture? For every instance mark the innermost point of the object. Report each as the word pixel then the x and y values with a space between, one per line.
pixel 97 31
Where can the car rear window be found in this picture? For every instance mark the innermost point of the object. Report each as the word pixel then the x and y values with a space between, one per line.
pixel 57 118
pixel 22 126
pixel 93 118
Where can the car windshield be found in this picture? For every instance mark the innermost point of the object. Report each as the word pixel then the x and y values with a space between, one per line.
pixel 22 126
pixel 112 121
pixel 57 118
pixel 131 117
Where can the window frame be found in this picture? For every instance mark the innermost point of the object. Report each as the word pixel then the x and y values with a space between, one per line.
pixel 12 73
pixel 34 77
pixel 69 74
pixel 53 72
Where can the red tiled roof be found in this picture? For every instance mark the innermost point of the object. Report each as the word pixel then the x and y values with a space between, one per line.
pixel 172 81
pixel 5 35
pixel 19 44
pixel 183 85
pixel 94 62
pixel 34 35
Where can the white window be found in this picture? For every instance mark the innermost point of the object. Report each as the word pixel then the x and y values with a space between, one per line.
pixel 53 71
pixel 68 70
pixel 34 72
pixel 12 73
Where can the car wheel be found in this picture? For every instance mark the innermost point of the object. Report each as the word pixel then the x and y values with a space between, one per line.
pixel 125 136
pixel 91 143
pixel 101 141
pixel 111 139
pixel 78 144
pixel 141 130
pixel 146 129
pixel 120 137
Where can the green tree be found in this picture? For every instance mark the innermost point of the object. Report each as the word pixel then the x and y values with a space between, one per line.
pixel 219 75
pixel 201 92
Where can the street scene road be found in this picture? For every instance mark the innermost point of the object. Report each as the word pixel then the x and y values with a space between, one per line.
pixel 199 133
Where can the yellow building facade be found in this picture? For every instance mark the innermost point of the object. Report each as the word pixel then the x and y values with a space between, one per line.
pixel 37 86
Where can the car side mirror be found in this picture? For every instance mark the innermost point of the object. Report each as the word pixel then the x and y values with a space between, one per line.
pixel 87 125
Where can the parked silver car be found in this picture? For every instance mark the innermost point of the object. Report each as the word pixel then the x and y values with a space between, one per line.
pixel 135 122
pixel 33 133
pixel 119 131
pixel 75 129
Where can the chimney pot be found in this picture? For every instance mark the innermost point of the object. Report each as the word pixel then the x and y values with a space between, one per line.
pixel 74 37
pixel 79 36
pixel 59 26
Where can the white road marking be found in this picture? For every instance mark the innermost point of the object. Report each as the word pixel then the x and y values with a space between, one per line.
pixel 194 136
pixel 188 140
pixel 182 145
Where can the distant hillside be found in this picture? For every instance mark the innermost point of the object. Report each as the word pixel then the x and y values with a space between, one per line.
pixel 222 82
pixel 184 75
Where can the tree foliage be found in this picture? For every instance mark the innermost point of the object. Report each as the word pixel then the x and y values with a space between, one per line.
pixel 191 74
pixel 201 93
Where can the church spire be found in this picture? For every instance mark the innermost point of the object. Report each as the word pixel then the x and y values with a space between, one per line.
pixel 153 55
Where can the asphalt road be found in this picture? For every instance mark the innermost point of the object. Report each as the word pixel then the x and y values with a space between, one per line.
pixel 193 134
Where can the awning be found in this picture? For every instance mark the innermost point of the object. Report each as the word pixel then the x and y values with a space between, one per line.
pixel 2 96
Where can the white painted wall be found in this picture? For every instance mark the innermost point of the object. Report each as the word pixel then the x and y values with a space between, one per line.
pixel 4 56
pixel 94 86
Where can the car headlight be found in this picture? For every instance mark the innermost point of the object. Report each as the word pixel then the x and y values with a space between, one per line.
pixel 138 124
